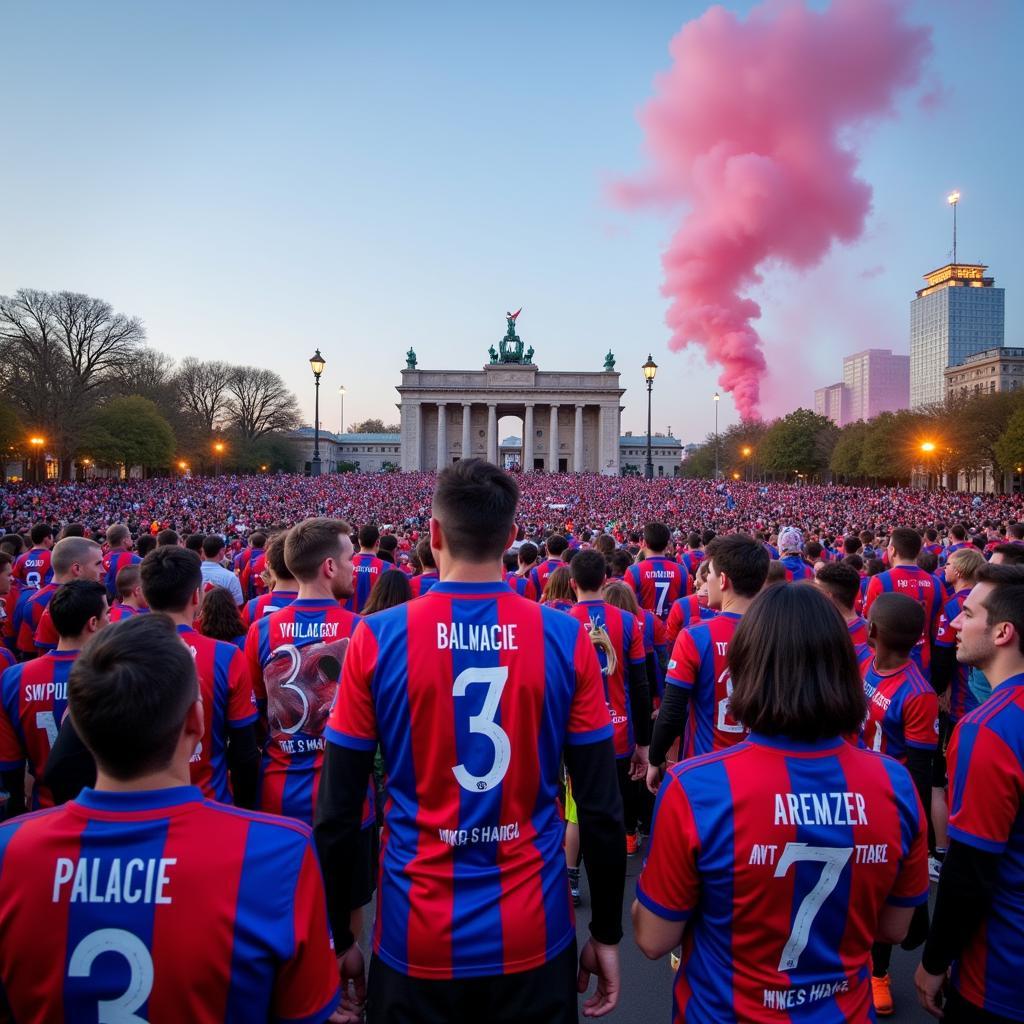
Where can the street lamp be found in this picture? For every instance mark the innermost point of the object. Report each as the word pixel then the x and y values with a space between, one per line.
pixel 341 395
pixel 316 364
pixel 650 368
pixel 746 451
pixel 37 447
pixel 718 398
pixel 219 449
pixel 928 447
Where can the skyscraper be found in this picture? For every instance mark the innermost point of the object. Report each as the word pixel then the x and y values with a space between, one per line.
pixel 877 380
pixel 959 312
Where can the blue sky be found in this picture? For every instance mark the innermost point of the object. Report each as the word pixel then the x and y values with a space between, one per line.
pixel 256 180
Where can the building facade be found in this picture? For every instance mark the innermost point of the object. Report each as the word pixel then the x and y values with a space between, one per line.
pixel 876 380
pixel 958 313
pixel 366 453
pixel 995 369
pixel 830 402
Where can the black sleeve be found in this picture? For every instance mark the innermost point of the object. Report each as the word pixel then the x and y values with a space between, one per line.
pixel 640 703
pixel 244 765
pixel 70 767
pixel 919 764
pixel 651 669
pixel 943 667
pixel 668 726
pixel 595 788
pixel 965 893
pixel 339 812
pixel 12 782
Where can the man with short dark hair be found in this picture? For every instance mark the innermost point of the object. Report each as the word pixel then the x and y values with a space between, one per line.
pixel 421 583
pixel 979 916
pixel 33 695
pixel 130 599
pixel 842 584
pixel 167 538
pixel 474 694
pixel 366 567
pixel 284 588
pixel 556 545
pixel 906 577
pixel 225 765
pixel 248 563
pixel 32 567
pixel 658 580
pixel 213 570
pixel 698 669
pixel 153 896
pixel 519 581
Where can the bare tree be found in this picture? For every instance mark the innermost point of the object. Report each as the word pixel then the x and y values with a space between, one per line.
pixel 260 403
pixel 203 390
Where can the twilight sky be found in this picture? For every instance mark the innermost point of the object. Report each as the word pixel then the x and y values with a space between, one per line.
pixel 256 179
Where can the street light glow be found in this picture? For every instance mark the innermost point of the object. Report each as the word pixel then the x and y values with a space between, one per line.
pixel 928 446
pixel 953 198
pixel 747 451
pixel 219 447
pixel 36 441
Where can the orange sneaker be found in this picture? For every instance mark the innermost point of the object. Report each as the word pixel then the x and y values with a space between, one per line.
pixel 881 995
pixel 632 845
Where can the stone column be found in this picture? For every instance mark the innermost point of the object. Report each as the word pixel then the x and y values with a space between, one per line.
pixel 442 435
pixel 553 441
pixel 602 447
pixel 577 442
pixel 528 430
pixel 492 433
pixel 417 436
pixel 467 421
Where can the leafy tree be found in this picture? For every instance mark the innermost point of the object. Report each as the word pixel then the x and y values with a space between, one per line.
pixel 128 432
pixel 848 453
pixel 374 426
pixel 275 451
pixel 800 442
pixel 1010 446
pixel 974 428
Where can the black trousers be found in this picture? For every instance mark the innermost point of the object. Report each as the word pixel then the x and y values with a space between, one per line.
pixel 959 1011
pixel 630 790
pixel 545 995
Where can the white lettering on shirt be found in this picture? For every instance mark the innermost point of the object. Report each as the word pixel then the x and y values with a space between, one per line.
pixel 837 808
pixel 309 630
pixel 468 636
pixel 94 880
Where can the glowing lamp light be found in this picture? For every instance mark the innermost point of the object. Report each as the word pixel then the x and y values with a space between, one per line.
pixel 735 476
pixel 650 368
pixel 219 447
pixel 928 447
pixel 183 466
pixel 953 198
pixel 37 441
pixel 747 451
pixel 317 363
pixel 718 397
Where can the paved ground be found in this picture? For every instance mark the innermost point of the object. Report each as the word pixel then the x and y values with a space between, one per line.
pixel 647 985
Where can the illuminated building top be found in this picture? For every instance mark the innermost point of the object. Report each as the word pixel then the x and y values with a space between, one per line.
pixel 956 275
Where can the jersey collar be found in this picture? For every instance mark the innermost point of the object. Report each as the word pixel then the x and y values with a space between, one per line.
pixel 797 746
pixel 314 603
pixel 184 629
pixel 140 800
pixel 62 655
pixel 471 589
pixel 1017 680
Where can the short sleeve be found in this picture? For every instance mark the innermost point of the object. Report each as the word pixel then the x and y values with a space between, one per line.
pixel 241 700
pixel 306 988
pixel 11 753
pixel 674 623
pixel 46 637
pixel 911 885
pixel 636 640
pixel 669 884
pixel 589 720
pixel 945 635
pixel 353 721
pixel 986 783
pixel 921 720
pixel 252 661
pixel 632 579
pixel 684 664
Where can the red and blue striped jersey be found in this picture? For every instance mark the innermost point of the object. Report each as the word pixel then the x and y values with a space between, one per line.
pixel 123 611
pixel 653 630
pixel 903 709
pixel 164 907
pixel 986 811
pixel 658 582
pixel 944 556
pixel 31 612
pixel 686 612
pixel 228 703
pixel 522 585
pixel 421 584
pixel 46 635
pixel 540 572
pixel 296 702
pixel 7 659
pixel 113 563
pixel 560 604
pixel 249 571
pixel 796 569
pixel 781 856
pixel 858 630
pixel 272 601
pixel 690 560
pixel 366 570
pixel 33 699
pixel 626 635
pixel 32 568
pixel 925 589
pixel 961 700
pixel 473 692
pixel 700 664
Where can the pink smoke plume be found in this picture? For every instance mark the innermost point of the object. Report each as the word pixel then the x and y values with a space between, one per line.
pixel 750 128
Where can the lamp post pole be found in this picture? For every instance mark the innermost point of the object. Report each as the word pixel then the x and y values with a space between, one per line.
pixel 650 368
pixel 953 198
pixel 316 364
pixel 341 395
pixel 717 400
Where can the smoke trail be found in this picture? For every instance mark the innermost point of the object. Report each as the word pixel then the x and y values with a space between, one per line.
pixel 750 129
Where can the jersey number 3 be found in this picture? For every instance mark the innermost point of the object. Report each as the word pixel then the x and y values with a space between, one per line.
pixel 140 982
pixel 485 725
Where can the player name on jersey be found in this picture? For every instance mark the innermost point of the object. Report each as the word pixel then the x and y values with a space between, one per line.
pixel 46 691
pixel 484 834
pixel 788 998
pixel 843 808
pixel 299 630
pixel 99 880
pixel 471 636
